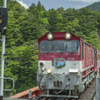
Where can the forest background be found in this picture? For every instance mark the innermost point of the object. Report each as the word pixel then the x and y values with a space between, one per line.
pixel 25 26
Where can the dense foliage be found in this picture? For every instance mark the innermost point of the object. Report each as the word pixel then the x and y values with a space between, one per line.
pixel 95 6
pixel 25 26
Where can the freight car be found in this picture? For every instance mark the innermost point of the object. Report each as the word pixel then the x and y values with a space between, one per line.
pixel 66 64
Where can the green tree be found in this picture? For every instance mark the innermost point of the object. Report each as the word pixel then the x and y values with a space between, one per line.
pixel 55 20
pixel 40 7
pixel 60 10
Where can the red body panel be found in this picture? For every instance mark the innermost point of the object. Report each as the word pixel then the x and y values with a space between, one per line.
pixel 88 56
pixel 98 62
pixel 66 56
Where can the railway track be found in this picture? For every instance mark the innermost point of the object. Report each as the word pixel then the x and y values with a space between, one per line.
pixel 88 94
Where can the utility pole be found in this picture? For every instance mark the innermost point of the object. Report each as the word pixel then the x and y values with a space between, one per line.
pixel 2 58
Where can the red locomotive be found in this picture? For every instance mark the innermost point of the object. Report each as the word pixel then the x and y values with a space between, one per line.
pixel 67 64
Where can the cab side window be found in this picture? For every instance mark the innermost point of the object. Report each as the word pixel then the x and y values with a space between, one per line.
pixel 82 50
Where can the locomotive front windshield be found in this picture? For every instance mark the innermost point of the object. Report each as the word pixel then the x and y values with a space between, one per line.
pixel 59 46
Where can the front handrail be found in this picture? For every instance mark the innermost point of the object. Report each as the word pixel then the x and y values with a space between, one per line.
pixel 13 83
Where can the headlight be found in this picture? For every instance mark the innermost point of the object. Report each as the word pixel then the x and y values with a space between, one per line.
pixel 1 15
pixel 0 21
pixel 48 71
pixel 68 35
pixel 50 36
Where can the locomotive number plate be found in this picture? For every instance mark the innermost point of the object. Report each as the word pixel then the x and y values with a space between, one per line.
pixel 58 62
pixel 73 70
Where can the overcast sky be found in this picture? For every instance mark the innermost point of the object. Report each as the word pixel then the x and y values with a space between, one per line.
pixel 49 4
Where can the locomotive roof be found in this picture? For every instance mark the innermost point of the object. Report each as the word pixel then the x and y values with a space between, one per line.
pixel 61 36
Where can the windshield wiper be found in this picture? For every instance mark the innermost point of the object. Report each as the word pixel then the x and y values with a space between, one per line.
pixel 63 49
pixel 74 50
pixel 50 50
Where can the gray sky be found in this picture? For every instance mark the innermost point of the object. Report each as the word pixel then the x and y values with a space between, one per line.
pixel 49 4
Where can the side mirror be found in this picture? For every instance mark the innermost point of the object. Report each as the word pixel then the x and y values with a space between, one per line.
pixel 36 46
